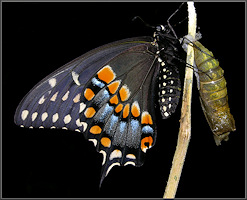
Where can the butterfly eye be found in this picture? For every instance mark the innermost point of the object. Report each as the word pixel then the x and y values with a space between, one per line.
pixel 159 28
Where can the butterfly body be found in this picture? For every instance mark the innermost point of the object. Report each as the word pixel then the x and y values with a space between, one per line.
pixel 108 95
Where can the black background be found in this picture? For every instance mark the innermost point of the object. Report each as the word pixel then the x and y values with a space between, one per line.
pixel 40 37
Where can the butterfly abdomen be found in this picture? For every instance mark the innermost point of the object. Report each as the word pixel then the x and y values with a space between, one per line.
pixel 213 93
pixel 169 90
pixel 168 81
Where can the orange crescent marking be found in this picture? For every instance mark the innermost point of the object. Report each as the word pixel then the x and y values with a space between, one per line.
pixel 114 100
pixel 135 110
pixel 113 86
pixel 106 142
pixel 148 140
pixel 126 110
pixel 89 94
pixel 89 113
pixel 95 129
pixel 106 74
pixel 124 93
pixel 119 108
pixel 146 118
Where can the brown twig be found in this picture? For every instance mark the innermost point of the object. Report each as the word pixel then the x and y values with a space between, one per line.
pixel 185 120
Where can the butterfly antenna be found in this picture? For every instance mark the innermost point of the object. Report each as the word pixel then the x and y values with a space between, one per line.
pixel 168 20
pixel 177 24
pixel 145 23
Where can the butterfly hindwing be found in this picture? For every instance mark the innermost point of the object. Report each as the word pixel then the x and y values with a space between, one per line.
pixel 117 111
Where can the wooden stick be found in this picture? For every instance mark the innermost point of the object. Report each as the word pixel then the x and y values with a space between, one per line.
pixel 185 121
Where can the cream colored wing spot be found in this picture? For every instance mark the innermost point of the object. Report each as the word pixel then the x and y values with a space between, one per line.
pixel 24 114
pixel 67 119
pixel 54 97
pixel 34 116
pixel 55 117
pixel 75 77
pixel 44 116
pixel 42 100
pixel 104 156
pixel 111 166
pixel 65 97
pixel 52 82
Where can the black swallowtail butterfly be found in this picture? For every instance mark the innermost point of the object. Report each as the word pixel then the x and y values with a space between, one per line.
pixel 34 34
pixel 108 95
pixel 213 93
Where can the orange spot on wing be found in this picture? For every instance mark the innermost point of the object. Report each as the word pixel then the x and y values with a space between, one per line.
pixel 144 142
pixel 89 94
pixel 135 109
pixel 126 110
pixel 146 118
pixel 119 108
pixel 114 100
pixel 113 86
pixel 89 113
pixel 124 93
pixel 106 142
pixel 106 74
pixel 95 129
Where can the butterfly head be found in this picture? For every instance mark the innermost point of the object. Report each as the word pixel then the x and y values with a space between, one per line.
pixel 163 28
